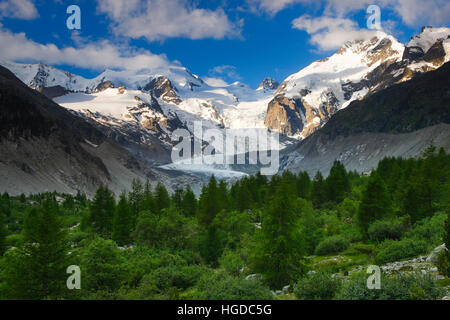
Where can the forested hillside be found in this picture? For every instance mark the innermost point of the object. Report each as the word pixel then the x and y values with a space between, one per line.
pixel 288 237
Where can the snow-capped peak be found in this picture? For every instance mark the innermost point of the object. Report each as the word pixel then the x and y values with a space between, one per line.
pixel 428 37
pixel 351 63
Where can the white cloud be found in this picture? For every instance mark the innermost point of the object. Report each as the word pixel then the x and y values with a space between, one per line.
pixel 157 20
pixel 96 56
pixel 328 33
pixel 419 12
pixel 215 82
pixel 334 27
pixel 412 12
pixel 227 71
pixel 19 9
pixel 272 7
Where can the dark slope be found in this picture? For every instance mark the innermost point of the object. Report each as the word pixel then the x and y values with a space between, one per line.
pixel 44 147
pixel 398 121
pixel 402 108
pixel 25 114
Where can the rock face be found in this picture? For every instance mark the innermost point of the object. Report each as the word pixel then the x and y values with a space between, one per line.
pixel 360 68
pixel 400 121
pixel 53 92
pixel 285 115
pixel 103 86
pixel 161 87
pixel 269 84
pixel 143 130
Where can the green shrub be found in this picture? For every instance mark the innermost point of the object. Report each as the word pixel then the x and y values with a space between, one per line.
pixel 147 290
pixel 170 230
pixel 222 286
pixel 331 245
pixel 318 286
pixel 360 248
pixel 14 240
pixel 443 263
pixel 178 277
pixel 77 236
pixel 232 263
pixel 386 229
pixel 395 287
pixel 390 251
pixel 101 265
pixel 430 229
pixel 348 208
pixel 352 233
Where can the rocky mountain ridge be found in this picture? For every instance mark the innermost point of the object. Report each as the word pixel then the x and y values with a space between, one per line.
pixel 305 101
pixel 47 148
pixel 140 109
pixel 401 121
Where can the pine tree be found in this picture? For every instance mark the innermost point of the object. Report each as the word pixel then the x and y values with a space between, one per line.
pixel 149 204
pixel 447 234
pixel 223 195
pixel 211 245
pixel 375 204
pixel 2 233
pixel 303 185
pixel 279 250
pixel 243 197
pixel 189 203
pixel 37 269
pixel 209 204
pixel 318 190
pixel 5 204
pixel 101 266
pixel 122 222
pixel 136 199
pixel 162 199
pixel 413 204
pixel 101 212
pixel 177 199
pixel 337 183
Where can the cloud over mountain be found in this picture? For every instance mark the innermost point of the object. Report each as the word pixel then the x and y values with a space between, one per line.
pixel 156 20
pixel 92 55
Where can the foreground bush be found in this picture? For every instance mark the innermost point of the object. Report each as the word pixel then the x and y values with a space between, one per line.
pixel 443 263
pixel 386 229
pixel 391 251
pixel 430 229
pixel 332 245
pixel 222 286
pixel 177 277
pixel 396 287
pixel 318 286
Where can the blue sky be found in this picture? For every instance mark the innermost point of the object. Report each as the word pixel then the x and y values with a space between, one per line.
pixel 232 40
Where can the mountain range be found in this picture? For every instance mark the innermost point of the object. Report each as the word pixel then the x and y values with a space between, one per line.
pixel 336 108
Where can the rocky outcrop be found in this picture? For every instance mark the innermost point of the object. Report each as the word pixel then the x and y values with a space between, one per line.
pixel 102 86
pixel 269 84
pixel 53 92
pixel 413 53
pixel 285 115
pixel 295 117
pixel 436 54
pixel 161 87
